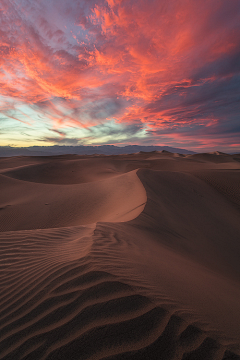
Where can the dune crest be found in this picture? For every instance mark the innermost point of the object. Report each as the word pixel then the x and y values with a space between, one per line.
pixel 28 205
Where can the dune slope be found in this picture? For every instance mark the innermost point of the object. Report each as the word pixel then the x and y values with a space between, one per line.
pixel 28 205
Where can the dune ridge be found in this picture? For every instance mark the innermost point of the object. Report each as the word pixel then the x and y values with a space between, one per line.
pixel 119 198
pixel 145 267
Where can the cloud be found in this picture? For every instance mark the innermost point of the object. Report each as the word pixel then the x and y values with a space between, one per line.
pixel 61 141
pixel 99 134
pixel 168 65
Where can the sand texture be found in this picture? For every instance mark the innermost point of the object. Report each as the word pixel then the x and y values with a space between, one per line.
pixel 120 257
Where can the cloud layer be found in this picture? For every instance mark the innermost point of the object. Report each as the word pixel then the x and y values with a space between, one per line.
pixel 121 71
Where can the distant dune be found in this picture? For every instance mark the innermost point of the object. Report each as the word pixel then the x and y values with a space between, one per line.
pixel 132 256
pixel 84 150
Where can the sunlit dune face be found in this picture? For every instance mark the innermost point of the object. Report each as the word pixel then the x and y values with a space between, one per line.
pixel 170 68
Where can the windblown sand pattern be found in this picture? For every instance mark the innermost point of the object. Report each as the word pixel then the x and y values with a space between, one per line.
pixel 120 257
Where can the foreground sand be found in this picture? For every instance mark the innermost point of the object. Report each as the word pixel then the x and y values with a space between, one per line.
pixel 120 257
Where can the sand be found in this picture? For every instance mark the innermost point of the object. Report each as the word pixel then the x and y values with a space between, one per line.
pixel 120 257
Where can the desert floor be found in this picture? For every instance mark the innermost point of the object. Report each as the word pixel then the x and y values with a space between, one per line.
pixel 120 257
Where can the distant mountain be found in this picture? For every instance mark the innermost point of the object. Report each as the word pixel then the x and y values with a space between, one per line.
pixel 84 150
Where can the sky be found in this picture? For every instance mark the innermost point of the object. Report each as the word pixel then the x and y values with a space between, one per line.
pixel 122 72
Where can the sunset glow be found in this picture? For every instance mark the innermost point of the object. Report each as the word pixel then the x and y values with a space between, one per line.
pixel 89 72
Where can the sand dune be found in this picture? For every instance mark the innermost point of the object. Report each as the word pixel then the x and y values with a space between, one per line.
pixel 28 205
pixel 120 257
